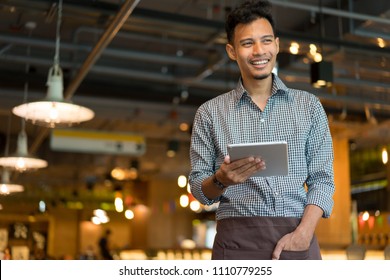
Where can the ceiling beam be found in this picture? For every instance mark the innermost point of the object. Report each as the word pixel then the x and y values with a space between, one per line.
pixel 330 11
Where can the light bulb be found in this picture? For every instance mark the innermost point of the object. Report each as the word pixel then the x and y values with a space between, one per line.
pixel 182 181
pixel 4 189
pixel 385 157
pixel 53 112
pixel 20 164
pixel 184 200
pixel 129 214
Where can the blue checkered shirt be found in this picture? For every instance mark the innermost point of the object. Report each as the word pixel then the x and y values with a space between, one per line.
pixel 290 115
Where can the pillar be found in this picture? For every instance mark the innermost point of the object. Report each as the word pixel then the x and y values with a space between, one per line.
pixel 335 232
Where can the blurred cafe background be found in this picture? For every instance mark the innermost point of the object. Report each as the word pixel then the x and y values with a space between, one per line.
pixel 134 72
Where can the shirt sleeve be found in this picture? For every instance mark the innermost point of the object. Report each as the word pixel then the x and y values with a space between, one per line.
pixel 202 155
pixel 319 151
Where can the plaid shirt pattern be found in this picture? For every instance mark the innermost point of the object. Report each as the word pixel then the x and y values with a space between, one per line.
pixel 290 115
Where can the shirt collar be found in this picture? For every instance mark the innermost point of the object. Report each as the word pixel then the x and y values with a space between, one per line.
pixel 277 87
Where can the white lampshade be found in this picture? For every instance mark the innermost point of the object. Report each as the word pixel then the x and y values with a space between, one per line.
pixel 21 160
pixel 6 187
pixel 53 111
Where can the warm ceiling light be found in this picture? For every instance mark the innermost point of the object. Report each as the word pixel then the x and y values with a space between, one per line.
pixel 195 206
pixel 6 187
pixel 129 214
pixel 184 200
pixel 294 48
pixel 313 49
pixel 317 57
pixel 381 43
pixel 385 156
pixel 182 181
pixel 100 217
pixel 54 110
pixel 21 160
pixel 118 202
pixel 118 174
pixel 184 127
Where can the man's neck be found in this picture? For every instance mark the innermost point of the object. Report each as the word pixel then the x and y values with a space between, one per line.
pixel 259 88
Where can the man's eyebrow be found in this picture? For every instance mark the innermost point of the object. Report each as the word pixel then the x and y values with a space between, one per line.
pixel 262 37
pixel 268 36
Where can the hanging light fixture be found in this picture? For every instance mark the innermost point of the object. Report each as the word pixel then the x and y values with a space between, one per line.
pixel 6 187
pixel 21 160
pixel 54 110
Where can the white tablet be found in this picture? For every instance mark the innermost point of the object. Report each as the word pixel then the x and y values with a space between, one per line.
pixel 275 155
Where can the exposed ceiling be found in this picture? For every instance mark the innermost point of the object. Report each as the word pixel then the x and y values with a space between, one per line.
pixel 145 66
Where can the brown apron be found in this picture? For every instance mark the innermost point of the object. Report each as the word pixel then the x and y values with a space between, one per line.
pixel 254 238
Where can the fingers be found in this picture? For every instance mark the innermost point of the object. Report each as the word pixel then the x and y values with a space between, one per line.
pixel 277 251
pixel 289 243
pixel 239 170
pixel 248 166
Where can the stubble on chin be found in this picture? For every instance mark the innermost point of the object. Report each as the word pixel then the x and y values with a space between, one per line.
pixel 261 77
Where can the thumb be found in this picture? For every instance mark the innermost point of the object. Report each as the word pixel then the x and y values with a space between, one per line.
pixel 277 251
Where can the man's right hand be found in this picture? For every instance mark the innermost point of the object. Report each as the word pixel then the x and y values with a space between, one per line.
pixel 238 171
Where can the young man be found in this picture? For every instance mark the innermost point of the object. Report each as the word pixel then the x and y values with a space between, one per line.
pixel 262 217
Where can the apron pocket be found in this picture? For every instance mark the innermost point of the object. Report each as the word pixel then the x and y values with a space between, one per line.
pixel 246 254
pixel 294 255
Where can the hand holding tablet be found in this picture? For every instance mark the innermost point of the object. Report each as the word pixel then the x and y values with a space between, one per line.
pixel 275 155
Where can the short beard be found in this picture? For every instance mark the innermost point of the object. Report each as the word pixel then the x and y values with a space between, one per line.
pixel 261 77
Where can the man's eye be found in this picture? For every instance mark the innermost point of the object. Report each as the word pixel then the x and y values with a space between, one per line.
pixel 247 44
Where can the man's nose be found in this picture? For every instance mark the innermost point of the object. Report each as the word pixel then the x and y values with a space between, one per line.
pixel 258 48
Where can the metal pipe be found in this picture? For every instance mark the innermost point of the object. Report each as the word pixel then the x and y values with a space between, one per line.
pixel 330 11
pixel 108 35
pixel 119 53
pixel 351 23
pixel 191 81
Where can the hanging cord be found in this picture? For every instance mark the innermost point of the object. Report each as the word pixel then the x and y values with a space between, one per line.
pixel 30 26
pixel 8 136
pixel 4 175
pixel 322 28
pixel 58 29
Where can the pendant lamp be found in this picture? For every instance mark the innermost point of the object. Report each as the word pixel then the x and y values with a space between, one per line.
pixel 21 160
pixel 6 187
pixel 54 110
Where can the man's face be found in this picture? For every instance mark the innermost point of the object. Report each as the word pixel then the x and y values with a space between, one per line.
pixel 255 49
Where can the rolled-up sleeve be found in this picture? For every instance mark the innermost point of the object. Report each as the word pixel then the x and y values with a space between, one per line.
pixel 202 155
pixel 320 181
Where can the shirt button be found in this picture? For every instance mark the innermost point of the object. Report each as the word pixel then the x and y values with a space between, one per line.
pixel 276 193
pixel 262 120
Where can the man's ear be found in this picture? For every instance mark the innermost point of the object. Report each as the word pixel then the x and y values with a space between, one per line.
pixel 231 52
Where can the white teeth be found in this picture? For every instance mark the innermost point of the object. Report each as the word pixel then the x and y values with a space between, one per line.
pixel 260 62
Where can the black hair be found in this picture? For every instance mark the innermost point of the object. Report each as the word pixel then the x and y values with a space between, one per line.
pixel 247 12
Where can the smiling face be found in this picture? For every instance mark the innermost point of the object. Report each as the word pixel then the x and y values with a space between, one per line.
pixel 254 48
